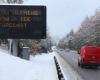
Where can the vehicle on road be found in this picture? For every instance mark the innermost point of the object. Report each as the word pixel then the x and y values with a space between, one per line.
pixel 54 48
pixel 67 50
pixel 89 56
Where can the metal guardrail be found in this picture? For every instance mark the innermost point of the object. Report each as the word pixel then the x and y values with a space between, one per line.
pixel 68 72
pixel 59 72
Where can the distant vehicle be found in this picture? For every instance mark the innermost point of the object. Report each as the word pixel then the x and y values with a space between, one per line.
pixel 54 48
pixel 61 49
pixel 89 56
pixel 67 50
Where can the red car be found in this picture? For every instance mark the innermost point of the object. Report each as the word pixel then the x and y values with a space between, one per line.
pixel 89 56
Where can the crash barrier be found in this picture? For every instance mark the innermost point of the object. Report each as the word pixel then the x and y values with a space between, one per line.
pixel 68 72
pixel 59 72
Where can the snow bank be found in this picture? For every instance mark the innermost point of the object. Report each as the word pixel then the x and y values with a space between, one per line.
pixel 40 67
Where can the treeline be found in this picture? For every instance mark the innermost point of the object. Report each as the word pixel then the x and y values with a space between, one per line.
pixel 87 34
pixel 12 1
pixel 36 46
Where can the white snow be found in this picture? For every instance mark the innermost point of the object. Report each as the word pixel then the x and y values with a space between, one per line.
pixel 40 67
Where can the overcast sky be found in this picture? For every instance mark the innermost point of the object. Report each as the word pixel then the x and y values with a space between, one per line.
pixel 64 15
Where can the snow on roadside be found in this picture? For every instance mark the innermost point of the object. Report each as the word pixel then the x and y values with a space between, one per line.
pixel 47 66
pixel 40 67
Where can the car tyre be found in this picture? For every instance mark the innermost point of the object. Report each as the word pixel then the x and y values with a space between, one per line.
pixel 80 64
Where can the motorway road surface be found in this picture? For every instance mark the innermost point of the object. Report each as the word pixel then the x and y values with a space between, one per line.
pixel 86 73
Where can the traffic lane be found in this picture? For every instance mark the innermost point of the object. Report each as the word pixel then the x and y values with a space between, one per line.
pixel 85 73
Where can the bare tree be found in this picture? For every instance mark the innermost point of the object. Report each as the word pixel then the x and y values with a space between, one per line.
pixel 2 1
pixel 15 1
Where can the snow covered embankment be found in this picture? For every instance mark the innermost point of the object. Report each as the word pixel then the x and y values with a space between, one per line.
pixel 68 72
pixel 40 67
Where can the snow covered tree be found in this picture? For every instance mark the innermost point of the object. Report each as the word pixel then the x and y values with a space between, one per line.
pixel 66 42
pixel 2 1
pixel 87 34
pixel 14 1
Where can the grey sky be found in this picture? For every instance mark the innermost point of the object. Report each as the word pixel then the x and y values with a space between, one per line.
pixel 64 15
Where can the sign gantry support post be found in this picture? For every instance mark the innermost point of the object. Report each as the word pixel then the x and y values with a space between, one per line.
pixel 13 46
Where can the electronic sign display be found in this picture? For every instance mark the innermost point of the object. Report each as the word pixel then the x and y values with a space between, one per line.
pixel 22 22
